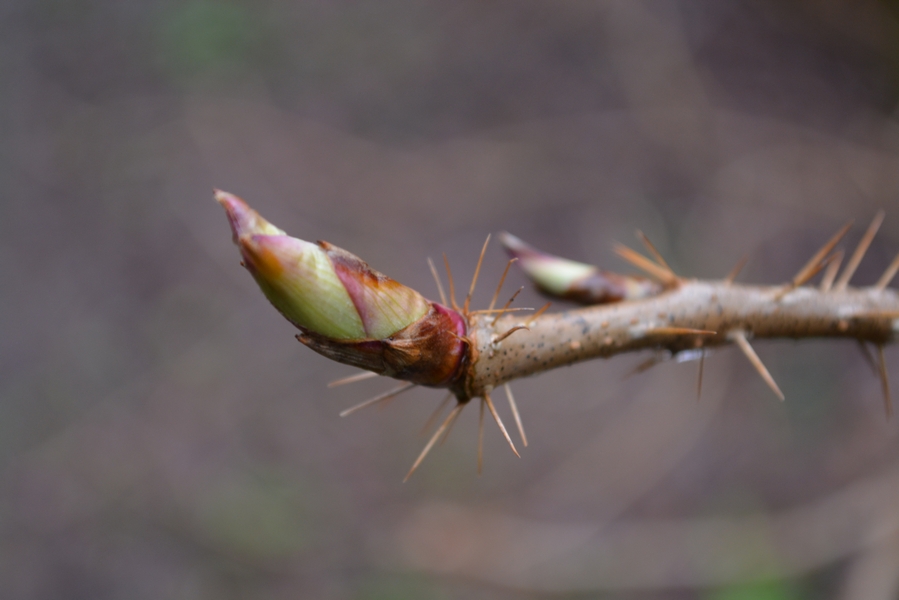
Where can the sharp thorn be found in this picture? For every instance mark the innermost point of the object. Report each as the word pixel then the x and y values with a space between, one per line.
pixel 353 379
pixel 833 266
pixel 436 414
pixel 449 429
pixel 652 250
pixel 437 281
pixel 506 306
pixel 740 338
pixel 508 333
pixel 664 275
pixel 474 280
pixel 452 287
pixel 646 365
pixel 379 398
pixel 499 423
pixel 860 250
pixel 449 419
pixel 501 281
pixel 888 275
pixel 514 407
pixel 732 276
pixel 814 263
pixel 869 358
pixel 806 276
pixel 884 382
pixel 536 315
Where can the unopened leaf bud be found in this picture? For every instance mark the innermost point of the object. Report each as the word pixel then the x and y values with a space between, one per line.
pixel 573 280
pixel 345 309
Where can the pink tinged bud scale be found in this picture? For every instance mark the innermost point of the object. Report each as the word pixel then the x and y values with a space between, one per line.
pixel 384 305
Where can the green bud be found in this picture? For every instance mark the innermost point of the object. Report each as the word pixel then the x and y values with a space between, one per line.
pixel 573 280
pixel 319 287
pixel 346 310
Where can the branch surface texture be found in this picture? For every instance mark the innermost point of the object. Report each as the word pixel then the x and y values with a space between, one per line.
pixel 722 309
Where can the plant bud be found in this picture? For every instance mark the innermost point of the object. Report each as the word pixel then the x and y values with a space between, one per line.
pixel 576 281
pixel 345 309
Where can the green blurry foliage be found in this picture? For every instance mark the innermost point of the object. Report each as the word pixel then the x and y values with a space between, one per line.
pixel 769 590
pixel 262 517
pixel 203 38
pixel 409 587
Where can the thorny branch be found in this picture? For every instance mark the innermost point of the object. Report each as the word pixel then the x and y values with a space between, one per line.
pixel 694 315
pixel 347 311
pixel 676 315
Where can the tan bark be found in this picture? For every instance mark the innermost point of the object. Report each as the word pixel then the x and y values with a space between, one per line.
pixel 723 310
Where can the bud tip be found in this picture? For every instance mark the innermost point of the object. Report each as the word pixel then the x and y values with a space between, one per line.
pixel 243 219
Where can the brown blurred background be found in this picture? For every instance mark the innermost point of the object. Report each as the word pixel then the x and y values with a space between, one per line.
pixel 163 436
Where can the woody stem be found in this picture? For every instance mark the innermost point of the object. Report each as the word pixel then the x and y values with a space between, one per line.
pixel 555 340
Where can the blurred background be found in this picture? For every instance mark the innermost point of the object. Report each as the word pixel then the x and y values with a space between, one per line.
pixel 162 434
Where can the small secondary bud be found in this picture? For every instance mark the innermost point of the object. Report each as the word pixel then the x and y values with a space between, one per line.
pixel 576 281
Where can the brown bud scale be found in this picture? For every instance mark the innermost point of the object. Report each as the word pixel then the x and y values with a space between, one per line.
pixel 429 352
